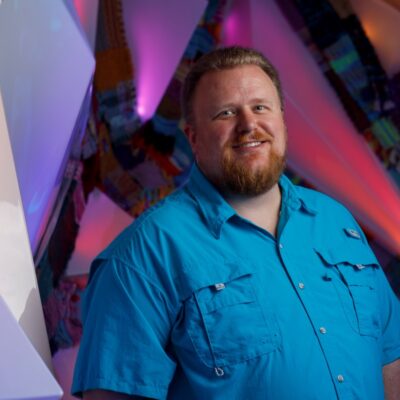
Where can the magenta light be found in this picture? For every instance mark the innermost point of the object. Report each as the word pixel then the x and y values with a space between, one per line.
pixel 141 110
pixel 158 32
pixel 237 24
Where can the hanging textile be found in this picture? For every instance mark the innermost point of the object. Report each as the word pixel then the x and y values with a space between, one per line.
pixel 336 40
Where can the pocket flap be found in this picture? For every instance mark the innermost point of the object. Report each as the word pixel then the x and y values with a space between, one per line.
pixel 354 253
pixel 356 262
pixel 199 276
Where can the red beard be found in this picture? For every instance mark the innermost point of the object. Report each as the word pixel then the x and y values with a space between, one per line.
pixel 243 179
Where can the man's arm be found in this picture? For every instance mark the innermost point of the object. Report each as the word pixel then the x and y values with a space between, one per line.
pixel 109 395
pixel 391 380
pixel 114 316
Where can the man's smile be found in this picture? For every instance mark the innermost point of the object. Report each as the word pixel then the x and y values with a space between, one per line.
pixel 248 144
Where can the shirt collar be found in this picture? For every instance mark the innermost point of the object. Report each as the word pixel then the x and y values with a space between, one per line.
pixel 293 197
pixel 216 210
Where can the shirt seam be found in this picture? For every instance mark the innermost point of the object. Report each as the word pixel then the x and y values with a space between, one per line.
pixel 171 310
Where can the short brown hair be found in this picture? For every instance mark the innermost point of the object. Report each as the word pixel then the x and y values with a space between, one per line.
pixel 222 59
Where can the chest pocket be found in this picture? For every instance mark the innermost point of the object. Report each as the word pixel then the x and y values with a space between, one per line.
pixel 355 266
pixel 225 321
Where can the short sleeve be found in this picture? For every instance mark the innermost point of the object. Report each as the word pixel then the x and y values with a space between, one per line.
pixel 126 329
pixel 390 320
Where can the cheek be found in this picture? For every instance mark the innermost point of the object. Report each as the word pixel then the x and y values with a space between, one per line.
pixel 204 149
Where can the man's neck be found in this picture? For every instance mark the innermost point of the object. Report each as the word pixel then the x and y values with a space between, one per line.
pixel 262 210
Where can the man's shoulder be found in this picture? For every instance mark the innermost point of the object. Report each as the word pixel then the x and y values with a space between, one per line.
pixel 163 222
pixel 333 225
pixel 321 202
pixel 169 212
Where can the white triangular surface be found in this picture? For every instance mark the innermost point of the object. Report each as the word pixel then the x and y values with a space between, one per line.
pixel 23 374
pixel 46 68
pixel 18 285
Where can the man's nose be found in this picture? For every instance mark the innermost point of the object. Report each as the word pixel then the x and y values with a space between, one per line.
pixel 246 122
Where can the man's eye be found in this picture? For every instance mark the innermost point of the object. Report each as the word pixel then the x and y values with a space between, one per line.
pixel 226 113
pixel 260 107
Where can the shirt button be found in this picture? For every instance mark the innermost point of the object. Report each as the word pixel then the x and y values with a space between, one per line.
pixel 280 245
pixel 219 286
pixel 322 330
pixel 340 378
pixel 301 285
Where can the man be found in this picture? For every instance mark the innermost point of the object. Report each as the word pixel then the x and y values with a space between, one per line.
pixel 240 285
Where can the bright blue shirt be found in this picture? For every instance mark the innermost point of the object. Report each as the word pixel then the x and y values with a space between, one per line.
pixel 193 301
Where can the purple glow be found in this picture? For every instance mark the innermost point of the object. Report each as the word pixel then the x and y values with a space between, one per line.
pixel 158 33
pixel 237 25
pixel 141 110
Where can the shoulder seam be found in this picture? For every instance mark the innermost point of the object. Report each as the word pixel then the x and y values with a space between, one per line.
pixel 138 271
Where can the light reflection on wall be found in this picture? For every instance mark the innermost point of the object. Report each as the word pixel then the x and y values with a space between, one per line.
pixel 158 32
pixel 381 23
pixel 237 24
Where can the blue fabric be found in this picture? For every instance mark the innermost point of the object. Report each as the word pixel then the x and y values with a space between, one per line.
pixel 194 302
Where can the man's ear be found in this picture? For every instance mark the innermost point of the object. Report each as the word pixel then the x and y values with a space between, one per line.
pixel 189 131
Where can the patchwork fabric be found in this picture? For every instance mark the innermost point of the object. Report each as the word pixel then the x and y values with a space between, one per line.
pixel 336 40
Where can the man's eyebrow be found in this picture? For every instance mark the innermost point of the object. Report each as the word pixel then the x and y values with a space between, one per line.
pixel 262 100
pixel 222 106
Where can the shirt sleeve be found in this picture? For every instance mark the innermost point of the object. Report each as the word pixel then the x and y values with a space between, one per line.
pixel 390 320
pixel 126 329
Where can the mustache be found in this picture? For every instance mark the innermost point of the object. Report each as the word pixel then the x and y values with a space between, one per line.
pixel 253 137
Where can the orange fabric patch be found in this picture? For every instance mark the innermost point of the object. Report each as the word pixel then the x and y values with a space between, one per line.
pixel 112 67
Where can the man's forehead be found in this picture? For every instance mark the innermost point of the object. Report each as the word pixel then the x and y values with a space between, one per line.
pixel 250 77
pixel 246 69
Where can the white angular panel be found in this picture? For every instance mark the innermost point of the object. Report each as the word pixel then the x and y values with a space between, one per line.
pixel 23 374
pixel 86 12
pixel 45 70
pixel 18 285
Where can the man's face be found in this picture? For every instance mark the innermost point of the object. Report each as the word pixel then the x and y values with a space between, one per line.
pixel 237 132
